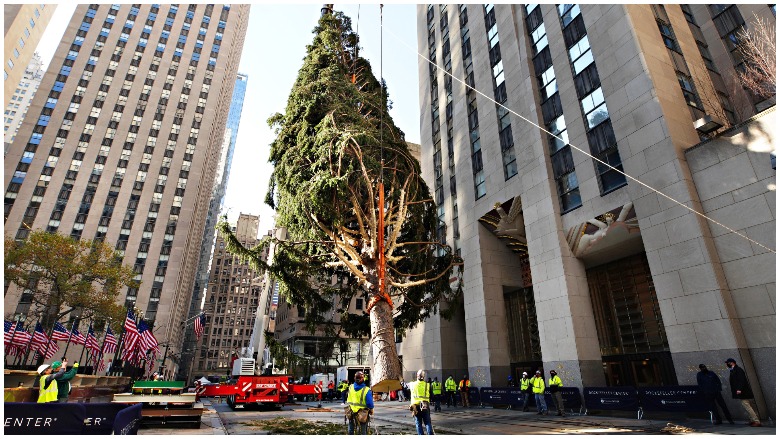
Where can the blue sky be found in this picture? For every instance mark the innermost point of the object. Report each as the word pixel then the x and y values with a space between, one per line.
pixel 274 49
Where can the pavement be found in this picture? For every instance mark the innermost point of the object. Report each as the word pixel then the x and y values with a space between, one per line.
pixel 393 417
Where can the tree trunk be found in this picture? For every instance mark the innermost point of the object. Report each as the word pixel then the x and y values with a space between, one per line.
pixel 386 373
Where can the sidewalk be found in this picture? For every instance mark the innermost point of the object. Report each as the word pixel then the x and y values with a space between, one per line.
pixel 490 421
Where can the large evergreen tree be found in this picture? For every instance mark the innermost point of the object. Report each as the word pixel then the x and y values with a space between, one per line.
pixel 334 144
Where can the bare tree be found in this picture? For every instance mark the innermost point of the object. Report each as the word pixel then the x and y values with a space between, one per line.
pixel 758 49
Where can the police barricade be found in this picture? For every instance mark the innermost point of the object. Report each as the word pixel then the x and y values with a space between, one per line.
pixel 71 419
pixel 510 396
pixel 611 398
pixel 473 395
pixel 672 399
pixel 571 399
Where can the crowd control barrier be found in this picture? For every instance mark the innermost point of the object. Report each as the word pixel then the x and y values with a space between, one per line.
pixel 513 396
pixel 611 398
pixel 26 418
pixel 656 399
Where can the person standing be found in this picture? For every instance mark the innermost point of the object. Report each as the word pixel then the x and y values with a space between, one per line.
pixel 537 384
pixel 331 390
pixel 555 384
pixel 463 387
pixel 420 404
pixel 436 390
pixel 740 389
pixel 63 383
pixel 343 387
pixel 450 386
pixel 401 393
pixel 361 404
pixel 47 391
pixel 711 388
pixel 525 387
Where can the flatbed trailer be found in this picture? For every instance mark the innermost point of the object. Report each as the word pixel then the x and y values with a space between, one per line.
pixel 164 403
pixel 259 390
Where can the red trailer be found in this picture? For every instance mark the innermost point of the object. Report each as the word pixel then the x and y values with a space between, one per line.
pixel 256 391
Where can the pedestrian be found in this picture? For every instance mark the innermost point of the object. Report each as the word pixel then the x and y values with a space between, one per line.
pixel 401 393
pixel 450 386
pixel 360 402
pixel 63 383
pixel 331 390
pixel 510 382
pixel 710 387
pixel 526 389
pixel 420 405
pixel 48 389
pixel 740 389
pixel 463 387
pixel 555 390
pixel 537 384
pixel 436 390
pixel 343 387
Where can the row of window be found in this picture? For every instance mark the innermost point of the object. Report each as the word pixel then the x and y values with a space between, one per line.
pixel 438 172
pixel 26 31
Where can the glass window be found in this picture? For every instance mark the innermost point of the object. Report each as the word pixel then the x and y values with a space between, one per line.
pixel 568 13
pixel 16 53
pixel 26 33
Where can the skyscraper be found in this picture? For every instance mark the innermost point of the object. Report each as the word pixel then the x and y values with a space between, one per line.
pixel 569 264
pixel 21 99
pixel 215 208
pixel 139 96
pixel 23 27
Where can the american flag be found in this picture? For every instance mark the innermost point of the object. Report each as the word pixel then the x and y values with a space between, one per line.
pixel 91 342
pixel 148 340
pixel 78 338
pixel 109 342
pixel 8 331
pixel 52 349
pixel 60 333
pixel 200 324
pixel 131 338
pixel 39 340
pixel 19 338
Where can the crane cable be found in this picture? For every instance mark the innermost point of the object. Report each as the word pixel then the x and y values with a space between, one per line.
pixel 525 119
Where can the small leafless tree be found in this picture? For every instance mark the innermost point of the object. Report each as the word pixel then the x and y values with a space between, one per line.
pixel 759 50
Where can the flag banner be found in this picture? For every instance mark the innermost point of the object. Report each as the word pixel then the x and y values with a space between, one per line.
pixel 21 337
pixel 200 324
pixel 91 342
pixel 39 339
pixel 78 338
pixel 109 343
pixel 60 333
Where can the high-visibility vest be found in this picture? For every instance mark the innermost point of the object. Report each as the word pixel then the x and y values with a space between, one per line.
pixel 450 385
pixel 420 392
pixel 538 384
pixel 524 383
pixel 343 387
pixel 356 399
pixel 330 385
pixel 436 387
pixel 556 380
pixel 50 394
pixel 468 384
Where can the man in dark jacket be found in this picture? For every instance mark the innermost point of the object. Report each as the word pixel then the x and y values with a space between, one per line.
pixel 710 387
pixel 63 382
pixel 740 389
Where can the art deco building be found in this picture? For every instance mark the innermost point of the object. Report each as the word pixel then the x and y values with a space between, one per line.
pixel 20 100
pixel 232 297
pixel 23 27
pixel 123 140
pixel 215 209
pixel 570 265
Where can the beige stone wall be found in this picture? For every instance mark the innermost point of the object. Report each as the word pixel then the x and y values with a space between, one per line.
pixel 17 19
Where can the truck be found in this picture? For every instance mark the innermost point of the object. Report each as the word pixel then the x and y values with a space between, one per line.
pixel 348 373
pixel 323 378
pixel 249 390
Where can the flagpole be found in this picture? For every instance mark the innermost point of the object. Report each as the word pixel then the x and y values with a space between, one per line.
pixel 85 341
pixel 65 354
pixel 27 350
pixel 121 340
pixel 102 346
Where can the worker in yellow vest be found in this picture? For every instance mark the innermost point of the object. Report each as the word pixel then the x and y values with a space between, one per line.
pixel 361 403
pixel 421 404
pixel 537 384
pixel 555 384
pixel 525 387
pixel 450 387
pixel 48 383
pixel 343 387
pixel 436 390
pixel 463 388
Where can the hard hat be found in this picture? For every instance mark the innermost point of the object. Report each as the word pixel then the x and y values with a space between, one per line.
pixel 42 368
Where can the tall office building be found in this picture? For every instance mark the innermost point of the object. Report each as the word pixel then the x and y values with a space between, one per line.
pixel 23 27
pixel 21 99
pixel 215 209
pixel 232 296
pixel 135 104
pixel 569 265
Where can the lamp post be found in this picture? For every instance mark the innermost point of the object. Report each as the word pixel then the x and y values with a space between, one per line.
pixel 165 356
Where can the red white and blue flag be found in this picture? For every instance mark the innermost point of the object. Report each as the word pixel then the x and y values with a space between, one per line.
pixel 131 339
pixel 109 342
pixel 39 339
pixel 148 340
pixel 17 336
pixel 51 349
pixel 200 324
pixel 92 343
pixel 60 333
pixel 78 338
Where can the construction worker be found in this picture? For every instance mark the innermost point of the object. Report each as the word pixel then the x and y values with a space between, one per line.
pixel 421 404
pixel 331 389
pixel 361 403
pixel 525 387
pixel 343 386
pixel 463 387
pixel 436 390
pixel 63 384
pixel 450 386
pixel 537 384
pixel 555 384
pixel 48 383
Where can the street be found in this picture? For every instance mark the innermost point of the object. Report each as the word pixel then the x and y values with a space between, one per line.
pixel 393 418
